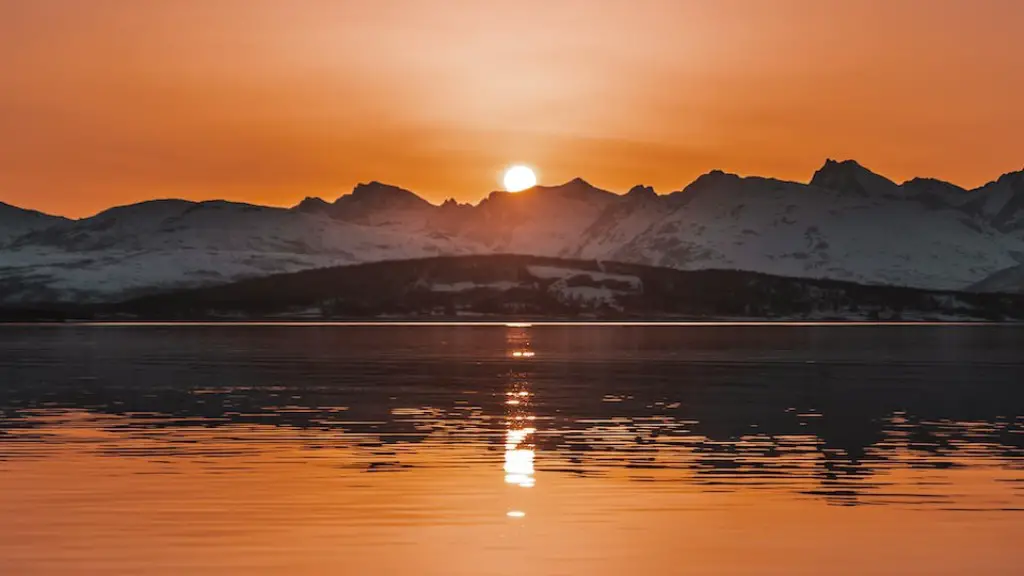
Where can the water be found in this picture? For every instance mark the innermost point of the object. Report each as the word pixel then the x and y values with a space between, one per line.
pixel 511 450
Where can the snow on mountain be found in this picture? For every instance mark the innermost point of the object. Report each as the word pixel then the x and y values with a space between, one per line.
pixel 175 243
pixel 847 223
pixel 620 223
pixel 225 226
pixel 541 221
pixel 1002 202
pixel 15 222
pixel 1009 280
pixel 792 229
pixel 375 204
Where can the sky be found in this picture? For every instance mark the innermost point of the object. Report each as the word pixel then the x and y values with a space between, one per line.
pixel 110 102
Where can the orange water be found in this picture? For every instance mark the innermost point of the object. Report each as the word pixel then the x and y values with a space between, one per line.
pixel 510 450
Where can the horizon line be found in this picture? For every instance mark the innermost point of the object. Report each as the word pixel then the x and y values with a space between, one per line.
pixel 539 186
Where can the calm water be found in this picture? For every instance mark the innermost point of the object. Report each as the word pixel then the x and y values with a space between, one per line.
pixel 511 450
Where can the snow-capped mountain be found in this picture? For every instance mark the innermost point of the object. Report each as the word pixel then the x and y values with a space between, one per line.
pixel 864 229
pixel 1002 203
pixel 174 243
pixel 847 223
pixel 15 222
pixel 542 221
pixel 375 204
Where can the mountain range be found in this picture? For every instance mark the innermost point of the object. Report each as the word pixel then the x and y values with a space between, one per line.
pixel 847 223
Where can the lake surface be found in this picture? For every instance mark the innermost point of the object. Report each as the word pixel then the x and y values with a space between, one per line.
pixel 527 450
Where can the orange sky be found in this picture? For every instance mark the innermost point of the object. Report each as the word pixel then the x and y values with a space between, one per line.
pixel 114 101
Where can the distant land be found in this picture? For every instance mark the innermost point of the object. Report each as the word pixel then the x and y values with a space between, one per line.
pixel 846 223
pixel 507 287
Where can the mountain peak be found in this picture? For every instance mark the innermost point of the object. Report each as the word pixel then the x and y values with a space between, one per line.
pixel 848 163
pixel 376 188
pixel 368 202
pixel 715 179
pixel 931 185
pixel 574 184
pixel 311 204
pixel 641 191
pixel 575 188
pixel 850 176
pixel 377 195
pixel 452 204
pixel 1003 201
pixel 833 168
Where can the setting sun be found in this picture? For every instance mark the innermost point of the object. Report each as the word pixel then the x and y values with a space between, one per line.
pixel 518 178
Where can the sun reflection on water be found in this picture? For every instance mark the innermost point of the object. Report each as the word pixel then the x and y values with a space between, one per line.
pixel 520 448
pixel 519 445
pixel 376 451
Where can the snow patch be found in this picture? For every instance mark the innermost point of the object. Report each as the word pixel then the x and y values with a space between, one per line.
pixel 466 286
pixel 553 272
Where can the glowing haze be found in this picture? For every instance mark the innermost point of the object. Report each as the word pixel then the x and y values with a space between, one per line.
pixel 116 101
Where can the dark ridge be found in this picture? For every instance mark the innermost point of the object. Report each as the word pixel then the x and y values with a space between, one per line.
pixel 1015 176
pixel 4 206
pixel 932 185
pixel 505 285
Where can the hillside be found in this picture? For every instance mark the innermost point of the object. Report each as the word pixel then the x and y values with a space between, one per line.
pixel 511 286
pixel 16 222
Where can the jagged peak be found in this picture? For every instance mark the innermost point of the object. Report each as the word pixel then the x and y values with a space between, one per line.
pixel 311 204
pixel 840 167
pixel 641 191
pixel 848 163
pixel 851 176
pixel 375 187
pixel 378 193
pixel 451 203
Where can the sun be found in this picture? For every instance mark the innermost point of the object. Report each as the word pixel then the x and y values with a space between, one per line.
pixel 519 178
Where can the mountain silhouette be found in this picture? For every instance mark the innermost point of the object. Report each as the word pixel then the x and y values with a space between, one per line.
pixel 846 223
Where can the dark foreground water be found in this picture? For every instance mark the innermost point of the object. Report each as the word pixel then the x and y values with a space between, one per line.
pixel 511 450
